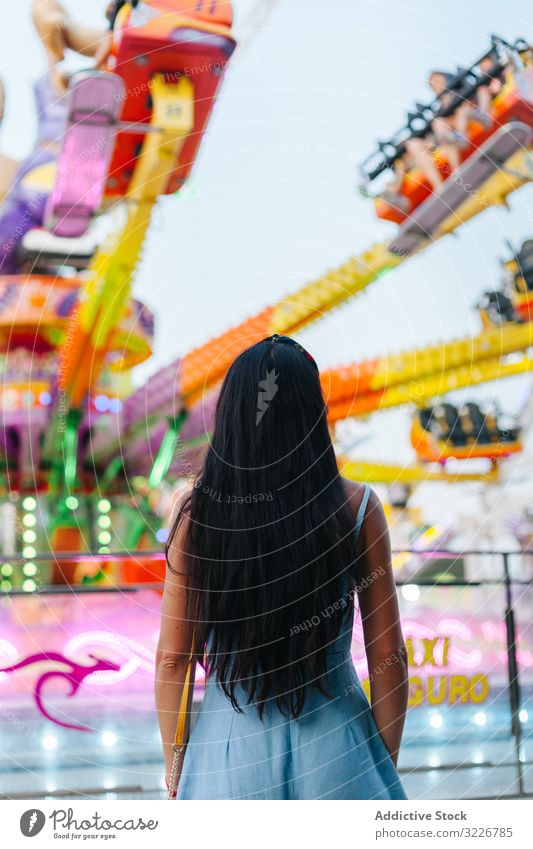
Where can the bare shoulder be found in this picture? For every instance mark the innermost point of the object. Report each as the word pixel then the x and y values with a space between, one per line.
pixel 355 492
pixel 178 527
pixel 375 522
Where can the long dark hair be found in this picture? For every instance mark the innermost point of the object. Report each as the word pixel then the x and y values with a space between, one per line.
pixel 269 538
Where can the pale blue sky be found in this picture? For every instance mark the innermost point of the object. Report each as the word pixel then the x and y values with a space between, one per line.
pixel 272 200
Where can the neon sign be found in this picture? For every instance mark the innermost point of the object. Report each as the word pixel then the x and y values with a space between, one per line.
pixel 74 673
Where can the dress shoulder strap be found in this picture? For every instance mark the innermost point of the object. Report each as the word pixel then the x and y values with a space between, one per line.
pixel 361 512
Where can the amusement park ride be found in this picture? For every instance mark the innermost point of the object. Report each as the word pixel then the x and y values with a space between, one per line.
pixel 87 452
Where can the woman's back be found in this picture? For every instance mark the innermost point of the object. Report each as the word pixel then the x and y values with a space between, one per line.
pixel 333 750
pixel 268 555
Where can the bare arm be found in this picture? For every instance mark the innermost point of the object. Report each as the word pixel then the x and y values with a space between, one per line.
pixel 384 644
pixel 175 639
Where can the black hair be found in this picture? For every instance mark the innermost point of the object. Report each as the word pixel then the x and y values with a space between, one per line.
pixel 269 541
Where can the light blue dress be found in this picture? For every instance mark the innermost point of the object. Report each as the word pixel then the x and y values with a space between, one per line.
pixel 332 751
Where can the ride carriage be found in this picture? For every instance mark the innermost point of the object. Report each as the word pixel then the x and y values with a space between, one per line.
pixel 519 278
pixel 418 209
pixel 444 431
pixel 159 46
pixel 514 301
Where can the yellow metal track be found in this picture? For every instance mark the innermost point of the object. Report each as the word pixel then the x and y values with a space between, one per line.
pixel 359 470
pixel 107 289
pixel 112 270
pixel 314 299
pixel 203 367
pixel 413 377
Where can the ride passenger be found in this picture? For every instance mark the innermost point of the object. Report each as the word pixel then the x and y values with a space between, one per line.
pixel 392 193
pixel 477 109
pixel 420 150
pixel 450 133
pixel 25 202
pixel 496 82
pixel 444 134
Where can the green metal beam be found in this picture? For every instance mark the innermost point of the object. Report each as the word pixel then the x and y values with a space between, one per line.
pixel 167 450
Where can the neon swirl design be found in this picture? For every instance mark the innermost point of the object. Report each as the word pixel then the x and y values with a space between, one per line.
pixel 75 674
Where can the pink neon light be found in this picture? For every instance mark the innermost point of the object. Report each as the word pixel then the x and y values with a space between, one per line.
pixel 9 654
pixel 138 656
pixel 75 673
pixel 455 628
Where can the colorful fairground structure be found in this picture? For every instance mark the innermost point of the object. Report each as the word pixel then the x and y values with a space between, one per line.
pixel 84 455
